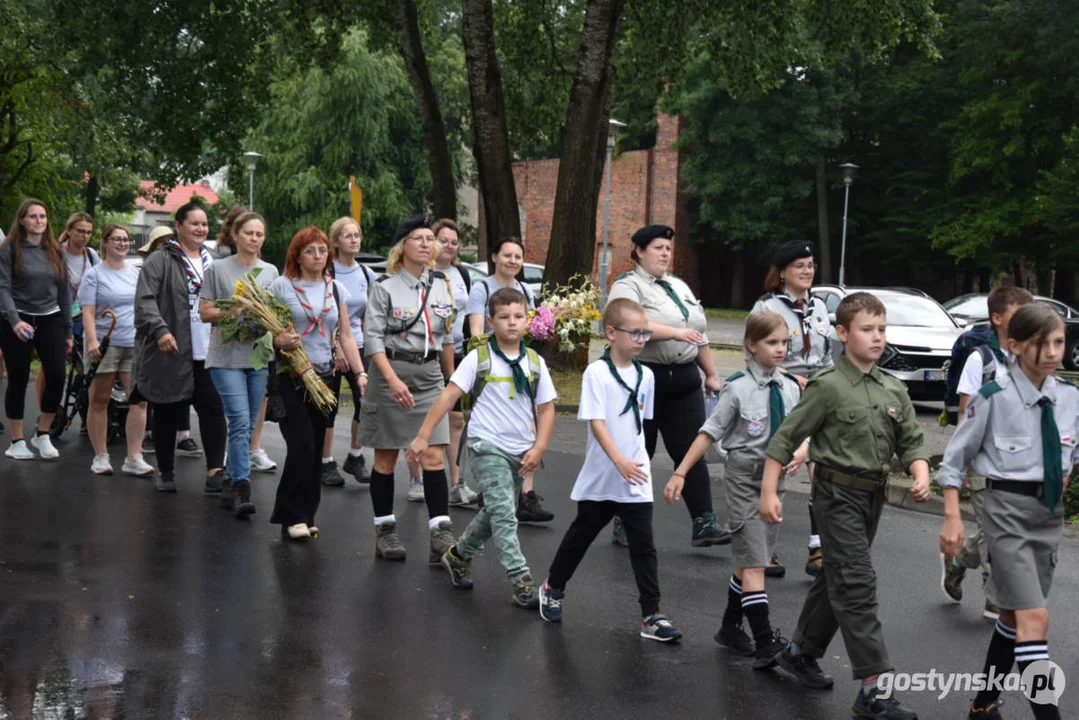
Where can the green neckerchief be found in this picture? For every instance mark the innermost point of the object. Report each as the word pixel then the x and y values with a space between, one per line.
pixel 631 402
pixel 776 411
pixel 994 344
pixel 520 379
pixel 674 296
pixel 1054 474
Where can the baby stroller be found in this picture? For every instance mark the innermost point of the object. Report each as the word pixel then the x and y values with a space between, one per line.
pixel 76 397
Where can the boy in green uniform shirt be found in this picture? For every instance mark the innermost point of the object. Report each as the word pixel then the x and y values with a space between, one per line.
pixel 856 418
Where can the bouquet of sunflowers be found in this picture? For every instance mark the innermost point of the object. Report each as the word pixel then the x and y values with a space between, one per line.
pixel 252 314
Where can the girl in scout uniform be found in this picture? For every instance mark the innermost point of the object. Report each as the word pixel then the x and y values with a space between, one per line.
pixel 408 336
pixel 750 409
pixel 677 349
pixel 1020 433
pixel 810 344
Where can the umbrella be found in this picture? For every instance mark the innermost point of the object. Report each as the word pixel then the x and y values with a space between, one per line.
pixel 82 405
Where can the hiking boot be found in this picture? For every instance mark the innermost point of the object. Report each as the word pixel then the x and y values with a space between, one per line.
pixel 815 562
pixel 330 476
pixel 165 482
pixel 188 448
pixel 226 495
pixel 872 707
pixel 241 499
pixel 214 483
pixel 356 466
pixel 765 656
pixel 524 593
pixel 706 531
pixel 987 713
pixel 415 490
pixel 658 627
pixel 775 568
pixel 441 541
pixel 991 611
pixel 261 462
pixel 101 465
pixel 387 544
pixel 529 508
pixel 951 579
pixel 805 668
pixel 618 535
pixel 550 603
pixel 735 639
pixel 460 570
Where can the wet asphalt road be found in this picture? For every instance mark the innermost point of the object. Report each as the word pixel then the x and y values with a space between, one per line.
pixel 118 602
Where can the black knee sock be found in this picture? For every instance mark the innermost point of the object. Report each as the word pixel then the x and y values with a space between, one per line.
pixel 732 616
pixel 998 662
pixel 436 493
pixel 755 606
pixel 1027 653
pixel 382 493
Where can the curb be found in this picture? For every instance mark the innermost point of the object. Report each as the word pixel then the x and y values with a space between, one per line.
pixel 898 495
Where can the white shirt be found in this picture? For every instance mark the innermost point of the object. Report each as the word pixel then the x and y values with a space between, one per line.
pixel 970 382
pixel 602 398
pixel 495 417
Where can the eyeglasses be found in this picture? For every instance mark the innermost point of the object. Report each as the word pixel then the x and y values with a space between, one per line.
pixel 636 335
pixel 423 239
pixel 316 250
pixel 450 243
pixel 802 266
pixel 121 239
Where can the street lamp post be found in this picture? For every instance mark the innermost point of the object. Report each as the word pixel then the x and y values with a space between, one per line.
pixel 251 159
pixel 604 260
pixel 848 177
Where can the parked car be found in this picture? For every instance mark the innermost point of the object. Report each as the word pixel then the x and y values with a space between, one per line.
pixel 920 336
pixel 533 275
pixel 974 309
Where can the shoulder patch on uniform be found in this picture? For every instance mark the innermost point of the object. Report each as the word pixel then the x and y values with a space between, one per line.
pixel 989 389
pixel 382 277
pixel 735 376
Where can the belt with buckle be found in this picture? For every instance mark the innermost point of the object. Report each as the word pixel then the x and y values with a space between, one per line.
pixel 852 481
pixel 416 358
pixel 1019 487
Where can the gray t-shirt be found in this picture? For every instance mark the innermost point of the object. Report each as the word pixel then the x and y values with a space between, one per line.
pixel 108 289
pixel 317 336
pixel 357 279
pixel 218 283
pixel 480 296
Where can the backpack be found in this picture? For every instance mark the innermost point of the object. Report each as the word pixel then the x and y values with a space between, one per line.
pixel 971 341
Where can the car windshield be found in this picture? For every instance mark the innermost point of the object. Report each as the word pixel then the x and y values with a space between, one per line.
pixel 914 311
pixel 976 306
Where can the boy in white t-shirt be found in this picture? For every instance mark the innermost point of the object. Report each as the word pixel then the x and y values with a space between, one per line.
pixel 616 479
pixel 1002 304
pixel 508 431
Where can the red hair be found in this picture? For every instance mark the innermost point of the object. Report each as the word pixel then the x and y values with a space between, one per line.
pixel 307 236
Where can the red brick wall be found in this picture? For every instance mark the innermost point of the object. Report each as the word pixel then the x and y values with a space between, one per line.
pixel 645 189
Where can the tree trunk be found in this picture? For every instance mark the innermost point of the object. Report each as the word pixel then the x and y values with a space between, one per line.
pixel 823 239
pixel 491 147
pixel 93 192
pixel 443 186
pixel 584 138
pixel 738 276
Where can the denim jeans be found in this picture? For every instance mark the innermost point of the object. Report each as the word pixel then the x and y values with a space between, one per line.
pixel 241 393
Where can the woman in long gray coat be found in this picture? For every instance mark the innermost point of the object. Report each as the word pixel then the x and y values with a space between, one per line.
pixel 171 343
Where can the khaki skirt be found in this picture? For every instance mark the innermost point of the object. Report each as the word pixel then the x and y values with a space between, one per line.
pixel 385 425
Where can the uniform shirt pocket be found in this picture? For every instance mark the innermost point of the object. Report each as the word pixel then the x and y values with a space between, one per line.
pixel 854 425
pixel 754 421
pixel 1015 453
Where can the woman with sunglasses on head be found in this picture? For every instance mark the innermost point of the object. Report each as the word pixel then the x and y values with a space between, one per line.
pixel 111 286
pixel 35 302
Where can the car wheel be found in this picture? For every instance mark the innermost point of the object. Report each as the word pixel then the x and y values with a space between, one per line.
pixel 1071 358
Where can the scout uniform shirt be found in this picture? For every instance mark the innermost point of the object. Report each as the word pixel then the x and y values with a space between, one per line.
pixel 639 286
pixel 809 321
pixel 394 302
pixel 856 422
pixel 1001 431
pixel 741 421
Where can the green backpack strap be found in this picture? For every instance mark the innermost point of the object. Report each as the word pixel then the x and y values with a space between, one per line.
pixel 483 374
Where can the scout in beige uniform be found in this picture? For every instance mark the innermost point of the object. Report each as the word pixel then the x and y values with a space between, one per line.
pixel 1020 433
pixel 677 348
pixel 408 338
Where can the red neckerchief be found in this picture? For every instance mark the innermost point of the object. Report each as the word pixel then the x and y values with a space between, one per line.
pixel 194 279
pixel 312 319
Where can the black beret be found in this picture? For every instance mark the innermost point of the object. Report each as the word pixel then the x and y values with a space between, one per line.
pixel 405 227
pixel 791 251
pixel 645 235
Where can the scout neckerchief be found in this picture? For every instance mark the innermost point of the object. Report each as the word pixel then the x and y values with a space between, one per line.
pixel 776 411
pixel 994 344
pixel 520 377
pixel 631 403
pixel 313 320
pixel 798 307
pixel 1053 486
pixel 429 336
pixel 674 296
pixel 194 274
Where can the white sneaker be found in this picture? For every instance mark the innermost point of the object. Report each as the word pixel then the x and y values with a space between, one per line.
pixel 101 465
pixel 137 466
pixel 43 444
pixel 299 531
pixel 415 490
pixel 261 462
pixel 19 451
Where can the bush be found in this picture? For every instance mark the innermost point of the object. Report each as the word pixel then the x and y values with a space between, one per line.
pixel 1071 500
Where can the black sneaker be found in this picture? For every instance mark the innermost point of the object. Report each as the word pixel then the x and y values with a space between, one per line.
pixel 550 603
pixel 658 627
pixel 525 594
pixel 460 570
pixel 356 466
pixel 529 508
pixel 765 656
pixel 241 499
pixel 706 531
pixel 805 668
pixel 188 448
pixel 987 713
pixel 775 568
pixel 225 503
pixel 330 476
pixel 951 580
pixel 734 638
pixel 148 446
pixel 165 482
pixel 873 707
pixel 214 483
